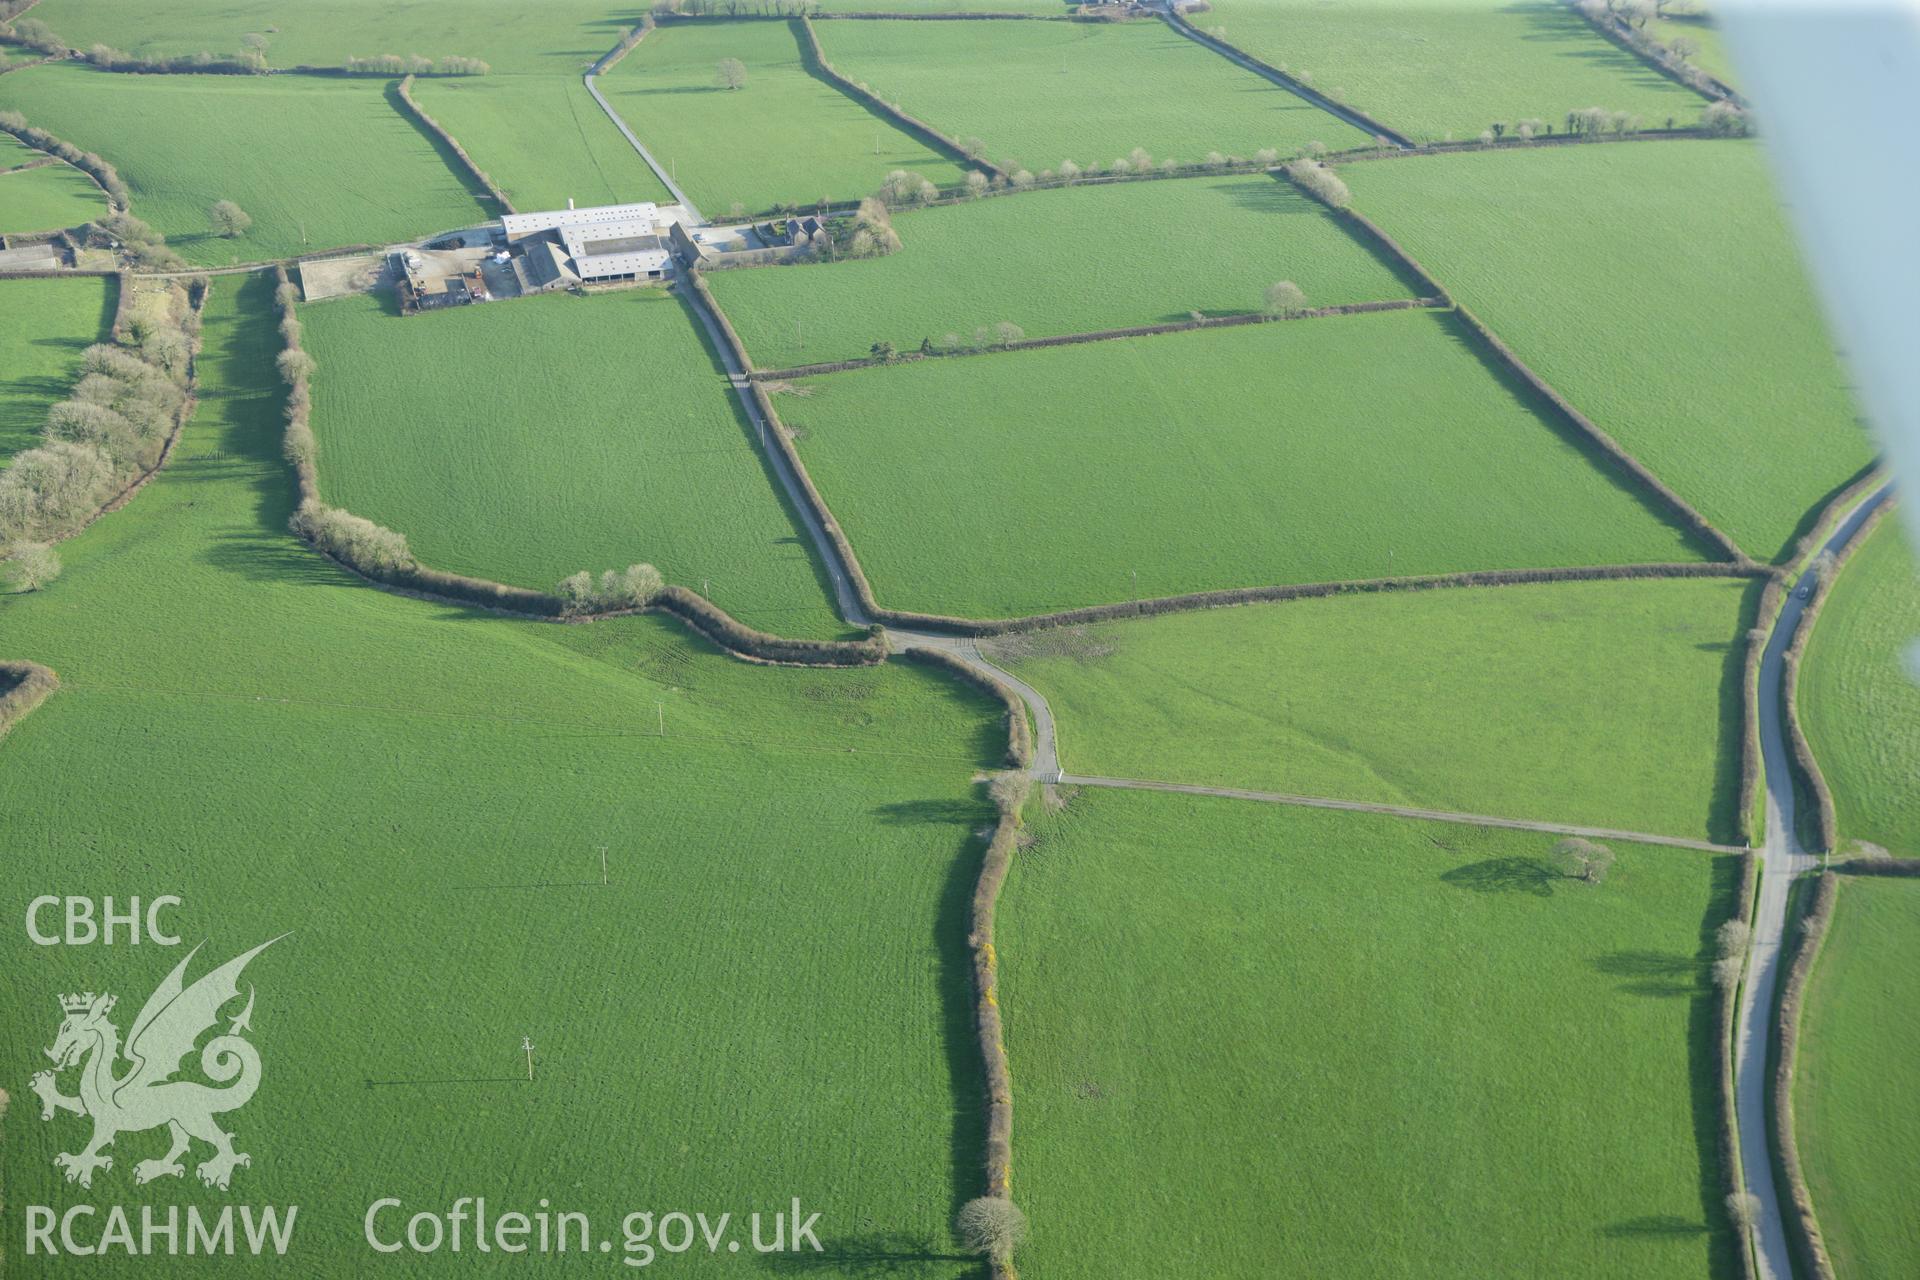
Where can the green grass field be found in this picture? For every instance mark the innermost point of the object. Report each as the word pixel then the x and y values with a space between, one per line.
pixel 964 266
pixel 418 792
pixel 542 139
pixel 1041 8
pixel 1856 1098
pixel 1858 697
pixel 1249 1040
pixel 1613 704
pixel 1680 320
pixel 1435 69
pixel 318 163
pixel 45 198
pixel 524 441
pixel 554 35
pixel 1038 93
pixel 787 136
pixel 1302 451
pixel 44 326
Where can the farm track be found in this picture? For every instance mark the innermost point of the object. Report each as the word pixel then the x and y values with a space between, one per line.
pixel 1782 861
pixel 666 178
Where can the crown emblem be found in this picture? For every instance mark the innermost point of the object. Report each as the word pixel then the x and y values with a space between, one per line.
pixel 77 1003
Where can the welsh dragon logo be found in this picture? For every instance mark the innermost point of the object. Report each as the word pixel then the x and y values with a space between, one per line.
pixel 145 1095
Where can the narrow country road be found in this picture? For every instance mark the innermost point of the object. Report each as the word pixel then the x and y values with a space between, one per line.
pixel 1782 859
pixel 693 214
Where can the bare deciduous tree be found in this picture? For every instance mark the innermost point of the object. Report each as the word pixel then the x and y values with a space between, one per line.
pixel 229 219
pixel 1583 859
pixel 1733 937
pixel 32 565
pixel 991 1225
pixel 1284 298
pixel 731 73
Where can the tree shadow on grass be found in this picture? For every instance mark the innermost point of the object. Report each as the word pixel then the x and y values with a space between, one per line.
pixel 1661 974
pixel 1505 875
pixel 869 1253
pixel 913 813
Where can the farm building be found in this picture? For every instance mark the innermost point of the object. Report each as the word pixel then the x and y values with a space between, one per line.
pixel 603 243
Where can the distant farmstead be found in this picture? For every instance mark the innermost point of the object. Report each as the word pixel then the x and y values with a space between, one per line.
pixel 598 245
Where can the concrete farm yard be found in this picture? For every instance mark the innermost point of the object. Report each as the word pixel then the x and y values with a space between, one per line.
pixel 1087 636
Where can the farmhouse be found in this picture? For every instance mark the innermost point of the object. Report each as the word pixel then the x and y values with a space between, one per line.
pixel 600 244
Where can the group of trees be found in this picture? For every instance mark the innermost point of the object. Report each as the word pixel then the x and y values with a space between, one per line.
pixel 392 64
pixel 105 174
pixel 1628 20
pixel 139 243
pixel 635 587
pixel 112 426
pixel 1322 182
pixel 247 61
pixel 738 8
pixel 33 34
pixel 353 540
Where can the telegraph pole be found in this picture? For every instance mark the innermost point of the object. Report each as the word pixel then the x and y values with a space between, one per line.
pixel 526 1042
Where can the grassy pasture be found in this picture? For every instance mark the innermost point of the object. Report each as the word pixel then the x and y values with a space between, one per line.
pixel 1038 93
pixel 1436 69
pixel 1301 451
pixel 554 35
pixel 44 326
pixel 1611 704
pixel 541 138
pixel 1042 8
pixel 1327 1044
pixel 317 162
pixel 1856 1094
pixel 419 793
pixel 787 136
pixel 45 198
pixel 1860 705
pixel 1678 317
pixel 523 441
pixel 964 266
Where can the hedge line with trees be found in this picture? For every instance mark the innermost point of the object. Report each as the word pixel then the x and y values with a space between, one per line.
pixel 23 686
pixel 1731 944
pixel 113 430
pixel 1803 1226
pixel 1624 22
pixel 1009 792
pixel 94 166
